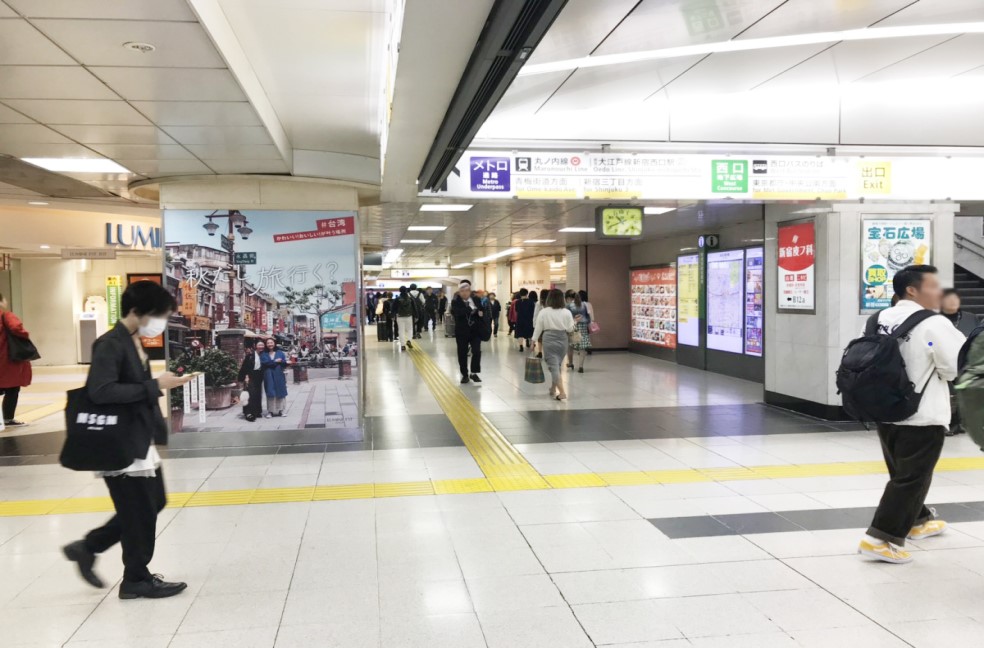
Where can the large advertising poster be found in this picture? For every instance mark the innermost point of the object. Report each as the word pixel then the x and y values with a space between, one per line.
pixel 654 306
pixel 289 279
pixel 688 300
pixel 887 246
pixel 797 267
pixel 754 300
pixel 725 300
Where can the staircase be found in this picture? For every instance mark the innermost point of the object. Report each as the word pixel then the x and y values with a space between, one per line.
pixel 971 289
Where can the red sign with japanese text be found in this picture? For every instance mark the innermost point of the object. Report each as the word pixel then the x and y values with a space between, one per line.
pixel 796 266
pixel 326 227
pixel 654 306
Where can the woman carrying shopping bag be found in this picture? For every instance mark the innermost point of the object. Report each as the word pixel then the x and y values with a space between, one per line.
pixel 553 327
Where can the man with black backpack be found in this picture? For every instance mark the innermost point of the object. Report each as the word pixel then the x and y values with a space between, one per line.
pixel 896 376
pixel 406 309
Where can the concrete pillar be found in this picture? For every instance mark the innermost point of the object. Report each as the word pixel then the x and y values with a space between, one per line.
pixel 803 351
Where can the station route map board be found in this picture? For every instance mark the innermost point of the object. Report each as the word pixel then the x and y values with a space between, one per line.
pixel 654 306
pixel 726 300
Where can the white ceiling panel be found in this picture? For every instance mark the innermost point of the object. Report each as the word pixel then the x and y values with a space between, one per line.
pixel 885 119
pixel 322 124
pixel 44 149
pixel 579 28
pixel 112 9
pixel 199 113
pixel 854 60
pixel 171 84
pixel 656 24
pixel 619 85
pixel 9 116
pixel 22 44
pixel 6 12
pixel 179 44
pixel 948 59
pixel 247 166
pixel 936 12
pixel 155 168
pixel 738 71
pixel 13 190
pixel 79 112
pixel 24 133
pixel 235 151
pixel 50 82
pixel 86 134
pixel 223 135
pixel 142 151
pixel 811 16
pixel 528 93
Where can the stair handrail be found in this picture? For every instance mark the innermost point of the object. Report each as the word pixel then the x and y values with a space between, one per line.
pixel 965 243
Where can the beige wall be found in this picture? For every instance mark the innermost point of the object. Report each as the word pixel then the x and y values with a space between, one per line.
pixel 533 273
pixel 53 292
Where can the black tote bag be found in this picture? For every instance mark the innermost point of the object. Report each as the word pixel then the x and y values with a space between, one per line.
pixel 19 349
pixel 96 434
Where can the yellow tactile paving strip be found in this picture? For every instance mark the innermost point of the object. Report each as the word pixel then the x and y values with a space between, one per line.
pixel 504 467
pixel 480 485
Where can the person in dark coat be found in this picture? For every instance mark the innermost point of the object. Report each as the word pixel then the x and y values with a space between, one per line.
pixel 495 310
pixel 469 322
pixel 964 321
pixel 120 375
pixel 525 308
pixel 274 363
pixel 442 306
pixel 251 374
pixel 13 374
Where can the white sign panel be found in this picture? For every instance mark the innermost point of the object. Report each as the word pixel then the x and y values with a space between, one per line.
pixel 726 300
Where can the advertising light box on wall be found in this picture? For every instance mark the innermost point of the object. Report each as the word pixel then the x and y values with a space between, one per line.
pixel 754 300
pixel 887 246
pixel 654 306
pixel 796 267
pixel 688 300
pixel 726 300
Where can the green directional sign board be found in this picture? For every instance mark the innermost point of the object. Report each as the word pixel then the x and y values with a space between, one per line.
pixel 245 258
pixel 729 176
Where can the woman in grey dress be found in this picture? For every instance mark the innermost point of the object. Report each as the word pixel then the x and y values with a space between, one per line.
pixel 553 324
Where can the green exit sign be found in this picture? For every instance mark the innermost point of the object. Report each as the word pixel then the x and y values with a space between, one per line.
pixel 729 176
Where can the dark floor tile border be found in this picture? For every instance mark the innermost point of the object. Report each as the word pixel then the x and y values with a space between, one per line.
pixel 703 526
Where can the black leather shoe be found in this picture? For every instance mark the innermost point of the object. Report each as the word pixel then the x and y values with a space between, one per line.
pixel 464 380
pixel 475 378
pixel 85 559
pixel 154 588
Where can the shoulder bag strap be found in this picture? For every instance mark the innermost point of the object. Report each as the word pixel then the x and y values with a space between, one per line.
pixel 912 322
pixel 871 327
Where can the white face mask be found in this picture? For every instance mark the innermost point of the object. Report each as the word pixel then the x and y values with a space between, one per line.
pixel 154 327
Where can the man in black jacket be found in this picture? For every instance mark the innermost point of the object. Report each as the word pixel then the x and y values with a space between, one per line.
pixel 251 373
pixel 120 375
pixel 469 322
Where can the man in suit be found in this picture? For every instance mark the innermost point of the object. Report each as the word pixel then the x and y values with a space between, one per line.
pixel 469 321
pixel 251 373
pixel 120 375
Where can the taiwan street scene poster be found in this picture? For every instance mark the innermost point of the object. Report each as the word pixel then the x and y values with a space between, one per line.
pixel 268 315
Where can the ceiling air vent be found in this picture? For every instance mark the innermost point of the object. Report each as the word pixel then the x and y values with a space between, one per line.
pixel 513 30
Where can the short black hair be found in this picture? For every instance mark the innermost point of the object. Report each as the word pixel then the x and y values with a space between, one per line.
pixel 413 286
pixel 147 298
pixel 946 293
pixel 910 276
pixel 523 292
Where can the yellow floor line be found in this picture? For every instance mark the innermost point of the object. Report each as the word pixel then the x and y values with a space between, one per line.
pixel 38 413
pixel 14 508
pixel 504 467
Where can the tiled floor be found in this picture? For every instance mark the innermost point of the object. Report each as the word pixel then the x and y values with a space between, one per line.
pixel 721 563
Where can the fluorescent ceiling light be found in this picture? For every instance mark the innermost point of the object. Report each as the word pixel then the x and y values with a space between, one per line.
pixel 77 165
pixel 436 207
pixel 460 265
pixel 426 228
pixel 392 255
pixel 415 241
pixel 45 247
pixel 36 202
pixel 541 241
pixel 499 255
pixel 745 44
pixel 577 229
pixel 655 211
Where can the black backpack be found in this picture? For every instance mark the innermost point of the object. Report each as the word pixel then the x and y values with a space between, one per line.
pixel 872 379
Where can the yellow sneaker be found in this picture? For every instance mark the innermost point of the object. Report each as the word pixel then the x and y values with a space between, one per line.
pixel 885 552
pixel 927 530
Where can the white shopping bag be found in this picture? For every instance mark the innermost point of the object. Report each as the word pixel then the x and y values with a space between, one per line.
pixel 244 398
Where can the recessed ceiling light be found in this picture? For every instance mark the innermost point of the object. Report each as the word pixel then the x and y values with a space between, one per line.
pixel 415 241
pixel 45 247
pixel 655 211
pixel 541 241
pixel 36 202
pixel 460 265
pixel 745 44
pixel 143 48
pixel 426 228
pixel 499 255
pixel 392 255
pixel 436 207
pixel 77 165
pixel 577 229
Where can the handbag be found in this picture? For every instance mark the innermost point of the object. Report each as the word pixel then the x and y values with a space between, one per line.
pixel 19 349
pixel 534 371
pixel 574 337
pixel 593 327
pixel 96 434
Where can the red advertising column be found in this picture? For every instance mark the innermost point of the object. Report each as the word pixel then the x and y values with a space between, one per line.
pixel 796 267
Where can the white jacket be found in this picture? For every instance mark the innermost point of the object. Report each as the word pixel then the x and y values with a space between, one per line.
pixel 930 352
